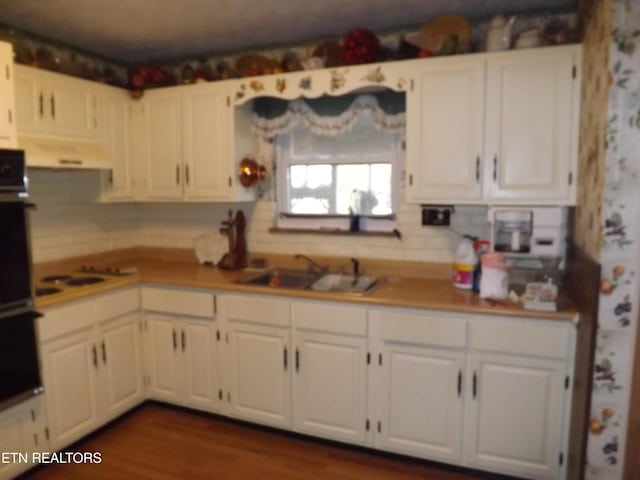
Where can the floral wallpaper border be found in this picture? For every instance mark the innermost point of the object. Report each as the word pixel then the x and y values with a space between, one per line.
pixel 619 252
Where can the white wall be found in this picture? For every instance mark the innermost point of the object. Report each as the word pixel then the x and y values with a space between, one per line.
pixel 68 222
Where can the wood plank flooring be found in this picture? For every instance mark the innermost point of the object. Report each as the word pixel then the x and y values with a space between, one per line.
pixel 163 443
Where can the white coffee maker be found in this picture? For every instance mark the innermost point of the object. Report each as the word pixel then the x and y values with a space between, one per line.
pixel 527 232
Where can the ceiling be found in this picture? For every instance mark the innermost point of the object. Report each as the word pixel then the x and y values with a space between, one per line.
pixel 132 31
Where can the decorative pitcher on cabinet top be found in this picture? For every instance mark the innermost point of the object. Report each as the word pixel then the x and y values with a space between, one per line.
pixel 499 33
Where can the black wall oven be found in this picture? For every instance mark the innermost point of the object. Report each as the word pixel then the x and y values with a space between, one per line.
pixel 19 363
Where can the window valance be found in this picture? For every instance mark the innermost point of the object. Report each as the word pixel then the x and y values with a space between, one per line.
pixel 331 116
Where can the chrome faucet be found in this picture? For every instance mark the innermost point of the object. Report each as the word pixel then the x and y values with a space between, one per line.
pixel 356 271
pixel 312 266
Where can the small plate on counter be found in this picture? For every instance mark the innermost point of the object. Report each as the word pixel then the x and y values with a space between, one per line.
pixel 209 247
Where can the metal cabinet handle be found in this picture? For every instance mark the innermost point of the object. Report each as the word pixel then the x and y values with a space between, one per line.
pixel 41 104
pixel 495 168
pixel 53 106
pixel 183 338
pixel 94 351
pixel 286 360
pixel 177 174
pixel 475 384
pixel 297 360
pixel 477 168
pixel 186 174
pixel 175 340
pixel 104 352
pixel 459 382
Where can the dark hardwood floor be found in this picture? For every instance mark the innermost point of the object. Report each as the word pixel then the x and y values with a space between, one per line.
pixel 159 442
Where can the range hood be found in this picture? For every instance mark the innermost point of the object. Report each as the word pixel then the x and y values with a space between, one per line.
pixel 57 153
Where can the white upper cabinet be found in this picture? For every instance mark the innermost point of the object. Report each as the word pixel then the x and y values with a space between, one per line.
pixel 7 103
pixel 115 108
pixel 531 125
pixel 50 104
pixel 189 152
pixel 162 170
pixel 207 134
pixel 494 128
pixel 445 129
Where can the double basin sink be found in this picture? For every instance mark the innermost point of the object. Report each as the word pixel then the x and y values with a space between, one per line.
pixel 321 282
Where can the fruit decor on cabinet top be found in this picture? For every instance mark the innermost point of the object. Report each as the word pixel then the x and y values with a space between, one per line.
pixel 360 45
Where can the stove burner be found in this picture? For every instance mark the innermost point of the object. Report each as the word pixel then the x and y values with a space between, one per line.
pixel 57 278
pixel 79 281
pixel 40 292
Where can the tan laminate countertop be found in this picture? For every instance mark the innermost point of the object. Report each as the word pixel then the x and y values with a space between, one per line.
pixel 394 290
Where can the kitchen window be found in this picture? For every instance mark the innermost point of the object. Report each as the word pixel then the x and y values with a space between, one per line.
pixel 324 180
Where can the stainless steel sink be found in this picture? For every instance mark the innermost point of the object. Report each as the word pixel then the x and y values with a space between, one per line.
pixel 337 282
pixel 283 278
pixel 328 282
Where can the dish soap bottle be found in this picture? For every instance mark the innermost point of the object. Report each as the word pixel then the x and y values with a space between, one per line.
pixel 464 261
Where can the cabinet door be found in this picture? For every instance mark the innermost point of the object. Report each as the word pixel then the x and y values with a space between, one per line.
pixel 531 121
pixel 163 163
pixel 7 103
pixel 445 129
pixel 260 363
pixel 29 93
pixel 422 401
pixel 164 364
pixel 69 366
pixel 200 351
pixel 514 414
pixel 71 106
pixel 206 139
pixel 21 433
pixel 329 386
pixel 121 359
pixel 116 125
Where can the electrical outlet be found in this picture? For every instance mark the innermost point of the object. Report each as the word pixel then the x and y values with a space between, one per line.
pixel 435 216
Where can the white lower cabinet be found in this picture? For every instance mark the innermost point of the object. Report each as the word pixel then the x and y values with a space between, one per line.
pixel 420 369
pixel 91 363
pixel 330 371
pixel 121 357
pixel 517 414
pixel 69 373
pixel 258 359
pixel 182 347
pixel 22 432
pixel 487 392
pixel 514 418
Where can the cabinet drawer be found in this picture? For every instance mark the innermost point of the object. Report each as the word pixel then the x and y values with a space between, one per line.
pixel 422 328
pixel 116 304
pixel 347 319
pixel 66 319
pixel 264 310
pixel 179 302
pixel 522 336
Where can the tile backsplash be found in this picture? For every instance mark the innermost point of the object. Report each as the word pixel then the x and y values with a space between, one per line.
pixel 69 222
